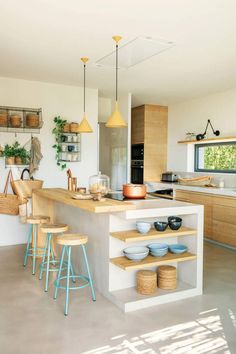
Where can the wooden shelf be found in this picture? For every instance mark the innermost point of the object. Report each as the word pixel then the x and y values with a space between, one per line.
pixel 227 138
pixel 134 235
pixel 150 261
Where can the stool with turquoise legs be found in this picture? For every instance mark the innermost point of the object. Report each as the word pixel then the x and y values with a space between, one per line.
pixel 67 241
pixel 49 263
pixel 34 221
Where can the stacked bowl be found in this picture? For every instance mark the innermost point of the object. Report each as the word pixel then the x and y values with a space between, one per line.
pixel 158 249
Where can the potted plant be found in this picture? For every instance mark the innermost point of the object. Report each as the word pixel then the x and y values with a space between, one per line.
pixel 21 156
pixel 58 133
pixel 9 153
pixel 15 154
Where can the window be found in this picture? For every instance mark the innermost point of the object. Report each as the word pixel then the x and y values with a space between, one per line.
pixel 217 157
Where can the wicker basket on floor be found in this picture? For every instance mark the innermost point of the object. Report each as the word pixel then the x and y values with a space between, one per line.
pixel 167 277
pixel 146 282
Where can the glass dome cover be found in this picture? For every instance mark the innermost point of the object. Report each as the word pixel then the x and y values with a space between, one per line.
pixel 99 184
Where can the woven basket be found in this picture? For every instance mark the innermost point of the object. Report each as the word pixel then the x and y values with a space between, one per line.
pixel 9 203
pixel 15 120
pixel 146 282
pixel 32 120
pixel 74 127
pixel 3 119
pixel 66 128
pixel 197 181
pixel 167 277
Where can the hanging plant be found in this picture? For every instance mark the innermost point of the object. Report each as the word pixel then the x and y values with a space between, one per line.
pixel 58 132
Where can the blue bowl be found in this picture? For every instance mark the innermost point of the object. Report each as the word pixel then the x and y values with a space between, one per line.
pixel 160 253
pixel 160 225
pixel 136 253
pixel 177 248
pixel 157 247
pixel 143 227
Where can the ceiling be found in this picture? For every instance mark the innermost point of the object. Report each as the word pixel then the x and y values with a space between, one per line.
pixel 44 40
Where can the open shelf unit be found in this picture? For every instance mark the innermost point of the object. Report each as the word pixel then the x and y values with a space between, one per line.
pixel 227 138
pixel 70 147
pixel 135 236
pixel 151 261
pixel 22 112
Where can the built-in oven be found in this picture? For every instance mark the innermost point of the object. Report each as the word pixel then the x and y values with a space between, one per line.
pixel 137 171
pixel 137 151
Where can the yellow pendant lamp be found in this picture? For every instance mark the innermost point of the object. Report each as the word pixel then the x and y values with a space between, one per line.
pixel 116 120
pixel 84 126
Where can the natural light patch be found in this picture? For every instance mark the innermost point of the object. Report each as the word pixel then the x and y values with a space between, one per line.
pixel 202 336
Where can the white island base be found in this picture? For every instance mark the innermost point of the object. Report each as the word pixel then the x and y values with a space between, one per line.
pixel 109 233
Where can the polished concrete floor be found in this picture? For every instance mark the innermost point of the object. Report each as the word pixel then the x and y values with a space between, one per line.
pixel 32 322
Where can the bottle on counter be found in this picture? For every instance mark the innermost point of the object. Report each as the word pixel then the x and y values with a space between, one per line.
pixel 221 183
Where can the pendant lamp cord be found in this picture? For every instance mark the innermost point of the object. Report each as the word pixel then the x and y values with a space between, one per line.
pixel 84 88
pixel 116 72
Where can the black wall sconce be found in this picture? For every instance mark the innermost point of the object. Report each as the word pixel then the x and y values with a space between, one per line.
pixel 202 136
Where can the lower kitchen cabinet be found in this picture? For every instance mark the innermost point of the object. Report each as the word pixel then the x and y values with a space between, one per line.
pixel 219 215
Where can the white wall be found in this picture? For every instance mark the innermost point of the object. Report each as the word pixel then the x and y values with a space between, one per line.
pixel 192 116
pixel 54 99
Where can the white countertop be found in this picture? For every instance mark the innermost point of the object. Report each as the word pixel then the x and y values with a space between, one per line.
pixel 153 186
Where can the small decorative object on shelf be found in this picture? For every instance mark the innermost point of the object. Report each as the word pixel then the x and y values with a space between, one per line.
pixel 20 120
pixel 67 144
pixel 202 136
pixel 190 136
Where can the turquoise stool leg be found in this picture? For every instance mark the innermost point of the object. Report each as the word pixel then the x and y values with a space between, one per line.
pixel 34 248
pixel 59 272
pixel 68 280
pixel 71 268
pixel 49 236
pixel 43 259
pixel 28 245
pixel 88 272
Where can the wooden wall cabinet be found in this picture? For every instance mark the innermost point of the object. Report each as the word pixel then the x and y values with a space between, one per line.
pixel 149 126
pixel 219 215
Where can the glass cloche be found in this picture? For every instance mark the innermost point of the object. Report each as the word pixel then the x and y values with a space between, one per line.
pixel 99 184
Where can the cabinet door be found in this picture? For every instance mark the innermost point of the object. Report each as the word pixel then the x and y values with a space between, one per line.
pixel 155 142
pixel 199 198
pixel 137 125
pixel 224 221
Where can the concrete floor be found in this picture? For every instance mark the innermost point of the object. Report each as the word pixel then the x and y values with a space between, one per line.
pixel 32 322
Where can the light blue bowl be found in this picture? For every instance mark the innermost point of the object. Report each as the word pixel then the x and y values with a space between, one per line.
pixel 143 227
pixel 158 247
pixel 136 253
pixel 160 253
pixel 177 248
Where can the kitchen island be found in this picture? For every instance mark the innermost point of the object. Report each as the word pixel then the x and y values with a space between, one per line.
pixel 110 226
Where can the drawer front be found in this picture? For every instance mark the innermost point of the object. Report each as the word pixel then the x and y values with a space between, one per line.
pixel 224 232
pixel 224 213
pixel 225 201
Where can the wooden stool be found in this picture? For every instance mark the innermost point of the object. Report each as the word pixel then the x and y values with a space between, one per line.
pixel 67 241
pixel 49 230
pixel 34 221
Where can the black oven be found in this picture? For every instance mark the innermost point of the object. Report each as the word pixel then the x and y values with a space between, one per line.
pixel 137 171
pixel 137 151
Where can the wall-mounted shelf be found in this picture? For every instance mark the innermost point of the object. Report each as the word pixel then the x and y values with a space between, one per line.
pixel 71 141
pixel 214 140
pixel 150 261
pixel 17 166
pixel 134 236
pixel 25 125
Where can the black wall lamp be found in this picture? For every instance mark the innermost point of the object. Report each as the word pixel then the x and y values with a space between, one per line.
pixel 202 136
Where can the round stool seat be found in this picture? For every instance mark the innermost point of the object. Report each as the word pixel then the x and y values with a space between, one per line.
pixel 37 219
pixel 72 239
pixel 54 228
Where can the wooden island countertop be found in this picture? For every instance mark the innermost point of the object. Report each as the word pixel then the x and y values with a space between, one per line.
pixel 64 196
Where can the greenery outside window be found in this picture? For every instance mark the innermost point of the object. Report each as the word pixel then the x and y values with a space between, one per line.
pixel 215 157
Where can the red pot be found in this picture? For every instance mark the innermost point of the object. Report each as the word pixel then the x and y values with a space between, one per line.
pixel 134 191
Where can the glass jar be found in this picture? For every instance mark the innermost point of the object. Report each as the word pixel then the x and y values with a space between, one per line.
pixel 99 184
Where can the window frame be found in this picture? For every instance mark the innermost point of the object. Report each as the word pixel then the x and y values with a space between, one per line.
pixel 196 157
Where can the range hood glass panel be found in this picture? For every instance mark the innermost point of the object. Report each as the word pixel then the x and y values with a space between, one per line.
pixel 134 52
